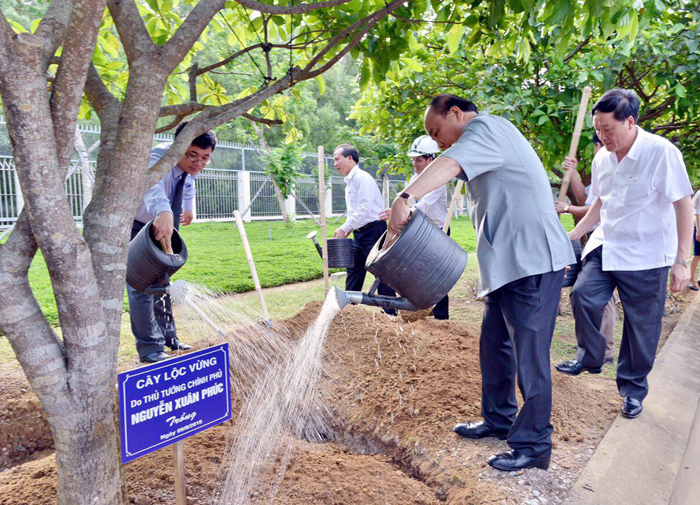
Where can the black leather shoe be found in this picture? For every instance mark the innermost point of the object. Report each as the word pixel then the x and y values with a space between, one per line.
pixel 179 346
pixel 631 407
pixel 479 430
pixel 573 367
pixel 154 357
pixel 512 461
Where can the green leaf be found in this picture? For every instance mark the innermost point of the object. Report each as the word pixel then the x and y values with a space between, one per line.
pixel 557 12
pixel 413 64
pixel 680 90
pixel 321 84
pixel 455 37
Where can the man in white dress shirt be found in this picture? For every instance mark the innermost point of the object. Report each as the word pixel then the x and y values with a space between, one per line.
pixel 434 204
pixel 363 203
pixel 693 284
pixel 642 200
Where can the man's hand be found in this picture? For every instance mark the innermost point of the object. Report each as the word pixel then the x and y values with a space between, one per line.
pixel 186 217
pixel 560 206
pixel 574 235
pixel 570 164
pixel 697 235
pixel 163 229
pixel 339 233
pixel 680 276
pixel 385 215
pixel 398 219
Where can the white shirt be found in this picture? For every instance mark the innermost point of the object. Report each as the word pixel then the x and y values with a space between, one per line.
pixel 696 203
pixel 157 199
pixel 433 204
pixel 637 220
pixel 363 200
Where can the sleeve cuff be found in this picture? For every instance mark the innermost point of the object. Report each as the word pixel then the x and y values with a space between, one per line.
pixel 157 209
pixel 346 228
pixel 188 204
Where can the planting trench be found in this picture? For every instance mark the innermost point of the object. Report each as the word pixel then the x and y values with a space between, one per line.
pixel 395 392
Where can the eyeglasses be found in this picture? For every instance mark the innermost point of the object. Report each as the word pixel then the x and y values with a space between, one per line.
pixel 194 159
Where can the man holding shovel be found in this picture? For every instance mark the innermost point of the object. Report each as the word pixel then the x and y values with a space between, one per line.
pixel 168 204
pixel 582 194
pixel 522 250
pixel 642 201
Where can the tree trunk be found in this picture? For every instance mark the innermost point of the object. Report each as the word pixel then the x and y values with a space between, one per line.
pixel 280 200
pixel 264 148
pixel 89 469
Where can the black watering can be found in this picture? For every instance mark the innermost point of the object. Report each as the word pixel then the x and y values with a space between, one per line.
pixel 148 267
pixel 339 251
pixel 422 265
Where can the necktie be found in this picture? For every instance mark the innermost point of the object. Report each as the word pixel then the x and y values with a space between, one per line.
pixel 176 201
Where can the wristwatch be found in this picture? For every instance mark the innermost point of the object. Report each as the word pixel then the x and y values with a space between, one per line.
pixel 410 200
pixel 682 262
pixel 566 209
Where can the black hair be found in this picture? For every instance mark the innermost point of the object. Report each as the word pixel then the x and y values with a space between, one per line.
pixel 426 157
pixel 443 103
pixel 204 141
pixel 623 102
pixel 349 150
pixel 596 139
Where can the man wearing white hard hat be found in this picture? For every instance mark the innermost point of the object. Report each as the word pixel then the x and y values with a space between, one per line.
pixel 434 204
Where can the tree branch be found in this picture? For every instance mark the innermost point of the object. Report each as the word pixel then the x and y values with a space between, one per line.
pixel 577 49
pixel 262 120
pixel 366 23
pixel 6 34
pixel 52 27
pixel 36 346
pixel 189 31
pixel 132 31
pixel 99 96
pixel 290 9
pixel 182 109
pixel 72 71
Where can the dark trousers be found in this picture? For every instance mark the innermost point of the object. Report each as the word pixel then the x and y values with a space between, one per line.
pixel 152 321
pixel 516 335
pixel 362 243
pixel 643 294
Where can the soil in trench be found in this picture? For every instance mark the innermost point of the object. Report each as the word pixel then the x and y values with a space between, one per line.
pixel 396 390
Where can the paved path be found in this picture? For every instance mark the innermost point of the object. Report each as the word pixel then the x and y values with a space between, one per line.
pixel 654 459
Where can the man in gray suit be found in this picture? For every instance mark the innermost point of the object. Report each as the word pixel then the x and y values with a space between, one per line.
pixel 522 250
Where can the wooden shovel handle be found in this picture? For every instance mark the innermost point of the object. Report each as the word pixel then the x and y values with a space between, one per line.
pixel 578 127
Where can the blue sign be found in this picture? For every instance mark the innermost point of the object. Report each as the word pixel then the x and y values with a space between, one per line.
pixel 174 399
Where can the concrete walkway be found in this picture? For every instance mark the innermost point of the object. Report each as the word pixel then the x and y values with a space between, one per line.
pixel 654 459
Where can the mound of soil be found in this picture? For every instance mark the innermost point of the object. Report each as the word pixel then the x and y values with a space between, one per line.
pixel 396 389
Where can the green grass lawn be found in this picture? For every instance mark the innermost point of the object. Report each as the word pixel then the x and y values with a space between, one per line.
pixel 217 259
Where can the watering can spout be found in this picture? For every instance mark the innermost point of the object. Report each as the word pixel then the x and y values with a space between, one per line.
pixel 312 236
pixel 385 302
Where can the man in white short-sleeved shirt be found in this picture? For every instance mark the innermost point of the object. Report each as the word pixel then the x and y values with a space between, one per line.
pixel 643 204
pixel 434 205
pixel 363 203
pixel 693 284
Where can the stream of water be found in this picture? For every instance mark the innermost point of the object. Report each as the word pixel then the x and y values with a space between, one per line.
pixel 277 379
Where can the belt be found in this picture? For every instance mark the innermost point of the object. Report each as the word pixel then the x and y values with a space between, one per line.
pixel 365 227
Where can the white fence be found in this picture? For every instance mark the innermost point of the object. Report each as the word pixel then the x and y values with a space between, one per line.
pixel 236 179
pixel 219 193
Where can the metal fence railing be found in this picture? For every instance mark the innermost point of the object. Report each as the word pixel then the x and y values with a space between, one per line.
pixel 231 182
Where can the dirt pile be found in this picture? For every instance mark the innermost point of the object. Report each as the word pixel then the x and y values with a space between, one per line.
pixel 396 389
